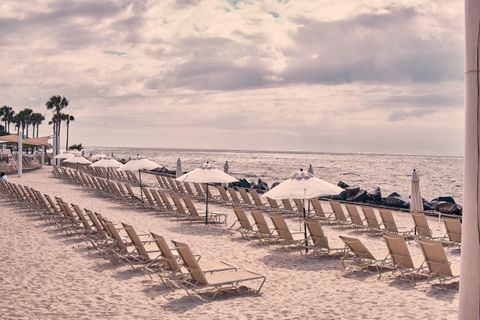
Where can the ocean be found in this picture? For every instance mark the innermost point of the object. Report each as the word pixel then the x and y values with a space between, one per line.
pixel 439 175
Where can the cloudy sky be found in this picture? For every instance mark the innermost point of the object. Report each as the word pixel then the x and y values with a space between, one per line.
pixel 321 75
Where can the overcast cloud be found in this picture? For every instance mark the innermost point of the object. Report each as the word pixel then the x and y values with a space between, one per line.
pixel 354 76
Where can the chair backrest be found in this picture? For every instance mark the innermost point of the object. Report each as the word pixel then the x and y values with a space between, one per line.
pixel 166 201
pixel 260 222
pixel 299 205
pixel 245 197
pixel 166 252
pixel 357 247
pixel 338 211
pixel 51 203
pixel 273 203
pixel 234 195
pixel 435 257
pixel 121 189
pixel 354 214
pixel 421 224
pixel 179 186
pixel 191 207
pixel 398 250
pixel 158 199
pixel 173 186
pixel 223 193
pixel 371 218
pixel 317 208
pixel 281 227
pixel 160 182
pixel 115 235
pixel 178 205
pixel 316 234
pixel 130 191
pixel 256 198
pixel 190 263
pixel 149 197
pixel 199 189
pixel 454 229
pixel 242 218
pixel 96 223
pixel 287 205
pixel 81 216
pixel 188 188
pixel 137 243
pixel 388 220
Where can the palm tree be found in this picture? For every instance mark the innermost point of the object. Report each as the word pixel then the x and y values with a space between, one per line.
pixel 56 104
pixel 7 114
pixel 37 119
pixel 27 118
pixel 67 118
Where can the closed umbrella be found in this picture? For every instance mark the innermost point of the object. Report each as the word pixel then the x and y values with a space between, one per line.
pixel 178 172
pixel 226 167
pixel 139 163
pixel 78 160
pixel 302 185
pixel 205 174
pixel 310 170
pixel 416 202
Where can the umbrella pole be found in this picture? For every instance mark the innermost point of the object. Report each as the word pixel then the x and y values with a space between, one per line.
pixel 206 203
pixel 305 223
pixel 140 181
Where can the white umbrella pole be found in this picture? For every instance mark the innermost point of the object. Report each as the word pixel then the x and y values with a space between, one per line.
pixel 140 181
pixel 469 299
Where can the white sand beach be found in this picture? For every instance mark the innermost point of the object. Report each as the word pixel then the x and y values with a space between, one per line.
pixel 46 274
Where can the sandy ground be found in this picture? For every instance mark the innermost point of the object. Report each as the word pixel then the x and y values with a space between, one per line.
pixel 47 275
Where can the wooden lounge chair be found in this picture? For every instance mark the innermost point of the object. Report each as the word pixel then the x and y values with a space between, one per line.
pixel 299 204
pixel 234 195
pixel 245 226
pixel 400 255
pixel 422 227
pixel 288 239
pixel 287 205
pixel 454 231
pixel 436 262
pixel 318 242
pixel 219 218
pixel 355 217
pixel 147 255
pixel 362 257
pixel 218 280
pixel 371 219
pixel 223 195
pixel 319 212
pixel 390 225
pixel 340 217
pixel 264 232
pixel 246 199
pixel 256 198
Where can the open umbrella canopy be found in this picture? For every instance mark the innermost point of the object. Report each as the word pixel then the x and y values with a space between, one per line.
pixel 107 163
pixel 206 173
pixel 63 156
pixel 416 202
pixel 179 171
pixel 139 164
pixel 302 185
pixel 74 152
pixel 77 159
pixel 98 156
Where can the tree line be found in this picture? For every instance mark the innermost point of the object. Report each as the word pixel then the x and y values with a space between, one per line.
pixel 26 119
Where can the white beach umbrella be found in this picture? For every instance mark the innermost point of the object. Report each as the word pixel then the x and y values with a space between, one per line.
pixel 179 171
pixel 416 202
pixel 98 156
pixel 206 173
pixel 226 167
pixel 302 185
pixel 106 163
pixel 78 160
pixel 139 164
pixel 63 156
pixel 469 298
pixel 74 152
pixel 310 170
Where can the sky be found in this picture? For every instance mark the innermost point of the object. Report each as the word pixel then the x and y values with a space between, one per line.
pixel 310 75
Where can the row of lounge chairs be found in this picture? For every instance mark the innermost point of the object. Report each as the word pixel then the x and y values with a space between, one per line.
pixel 110 173
pixel 149 252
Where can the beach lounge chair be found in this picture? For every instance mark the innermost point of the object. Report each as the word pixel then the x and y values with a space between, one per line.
pixel 318 242
pixel 300 207
pixel 180 213
pixel 422 227
pixel 234 195
pixel 288 239
pixel 146 254
pixel 223 195
pixel 436 262
pixel 355 217
pixel 246 199
pixel 340 217
pixel 245 226
pixel 400 255
pixel 217 280
pixel 362 257
pixel 166 201
pixel 454 231
pixel 256 198
pixel 371 219
pixel 287 205
pixel 264 232
pixel 212 216
pixel 390 225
